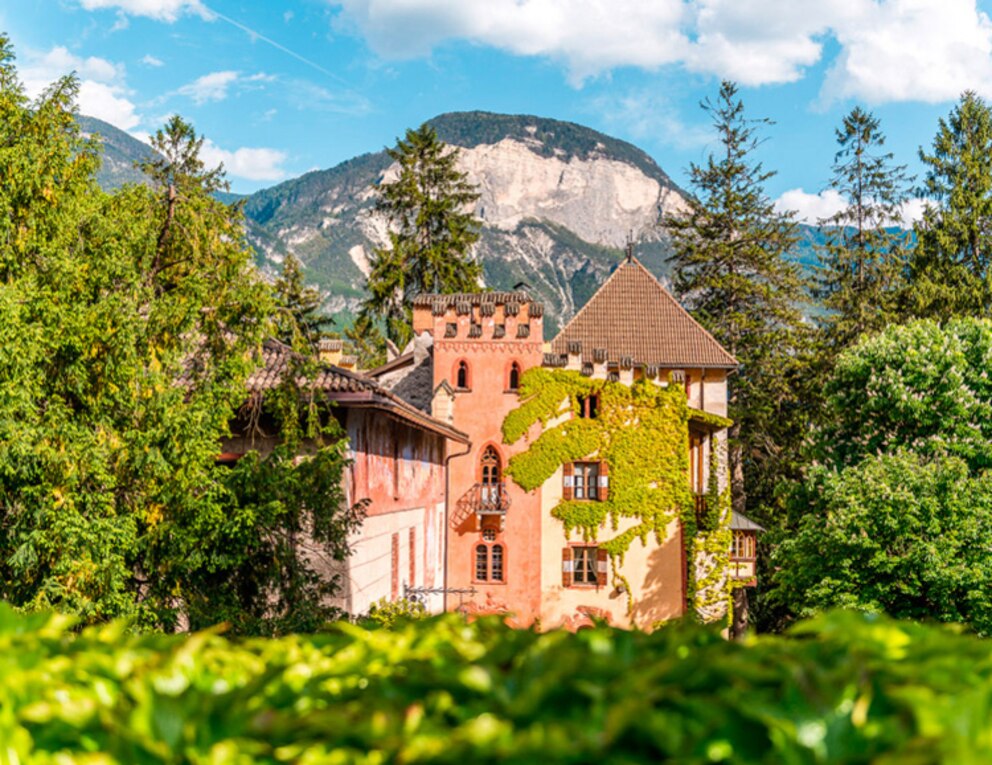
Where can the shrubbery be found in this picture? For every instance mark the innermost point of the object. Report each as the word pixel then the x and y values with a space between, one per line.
pixel 844 688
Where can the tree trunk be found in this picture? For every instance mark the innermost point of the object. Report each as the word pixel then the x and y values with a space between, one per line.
pixel 741 613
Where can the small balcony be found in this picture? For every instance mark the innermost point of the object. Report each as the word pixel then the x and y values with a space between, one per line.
pixel 489 499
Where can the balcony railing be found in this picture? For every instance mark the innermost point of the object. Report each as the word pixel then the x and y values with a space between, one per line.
pixel 489 499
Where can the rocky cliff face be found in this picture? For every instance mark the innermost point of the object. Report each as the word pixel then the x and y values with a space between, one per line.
pixel 557 203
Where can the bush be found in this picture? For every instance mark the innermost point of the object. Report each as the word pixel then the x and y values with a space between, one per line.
pixel 844 688
pixel 386 613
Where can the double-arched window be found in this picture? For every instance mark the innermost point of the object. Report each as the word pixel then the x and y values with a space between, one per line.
pixel 488 559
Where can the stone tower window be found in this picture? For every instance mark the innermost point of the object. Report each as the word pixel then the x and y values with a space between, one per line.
pixel 514 381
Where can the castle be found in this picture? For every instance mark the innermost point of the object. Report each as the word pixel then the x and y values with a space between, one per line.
pixel 556 483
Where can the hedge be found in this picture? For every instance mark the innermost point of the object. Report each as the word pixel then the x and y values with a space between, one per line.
pixel 844 688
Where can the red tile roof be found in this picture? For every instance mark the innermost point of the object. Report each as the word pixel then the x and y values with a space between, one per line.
pixel 347 388
pixel 633 317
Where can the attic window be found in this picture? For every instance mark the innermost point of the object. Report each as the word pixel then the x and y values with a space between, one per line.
pixel 451 329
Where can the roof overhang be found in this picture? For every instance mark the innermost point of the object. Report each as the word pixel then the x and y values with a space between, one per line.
pixel 400 410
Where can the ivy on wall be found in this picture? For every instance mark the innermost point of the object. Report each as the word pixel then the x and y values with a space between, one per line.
pixel 641 431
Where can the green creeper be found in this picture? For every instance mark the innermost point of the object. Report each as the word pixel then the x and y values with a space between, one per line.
pixel 950 267
pixel 431 232
pixel 642 433
pixel 732 271
pixel 864 258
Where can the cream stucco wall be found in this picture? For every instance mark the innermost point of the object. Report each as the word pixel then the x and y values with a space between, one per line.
pixel 367 574
pixel 654 572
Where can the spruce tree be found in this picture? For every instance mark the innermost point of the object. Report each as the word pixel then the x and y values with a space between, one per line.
pixel 950 268
pixel 731 270
pixel 431 232
pixel 863 260
pixel 299 321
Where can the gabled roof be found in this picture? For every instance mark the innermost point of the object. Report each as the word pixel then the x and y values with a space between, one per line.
pixel 632 316
pixel 346 388
pixel 740 522
pixel 276 358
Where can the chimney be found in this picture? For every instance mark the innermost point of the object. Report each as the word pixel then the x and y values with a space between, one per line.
pixel 329 351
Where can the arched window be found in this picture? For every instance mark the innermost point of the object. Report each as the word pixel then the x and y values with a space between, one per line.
pixel 461 375
pixel 481 563
pixel 496 569
pixel 491 475
pixel 514 381
pixel 489 563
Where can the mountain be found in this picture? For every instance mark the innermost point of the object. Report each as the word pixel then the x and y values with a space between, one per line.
pixel 558 201
pixel 120 152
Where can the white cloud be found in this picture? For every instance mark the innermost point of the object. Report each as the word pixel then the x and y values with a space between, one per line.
pixel 589 36
pixel 209 87
pixel 917 50
pixel 102 92
pixel 810 208
pixel 150 60
pixel 216 85
pixel 890 50
pixel 106 102
pixel 161 10
pixel 253 164
pixel 912 211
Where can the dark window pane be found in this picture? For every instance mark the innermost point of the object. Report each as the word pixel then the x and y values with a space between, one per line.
pixel 481 563
pixel 497 563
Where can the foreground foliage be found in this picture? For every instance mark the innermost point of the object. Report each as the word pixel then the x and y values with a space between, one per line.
pixel 842 689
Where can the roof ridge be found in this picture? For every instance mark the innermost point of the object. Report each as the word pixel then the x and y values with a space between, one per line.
pixel 602 286
pixel 682 308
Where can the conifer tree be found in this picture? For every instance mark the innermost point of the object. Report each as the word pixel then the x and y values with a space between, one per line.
pixel 431 233
pixel 730 268
pixel 950 268
pixel 863 260
pixel 299 321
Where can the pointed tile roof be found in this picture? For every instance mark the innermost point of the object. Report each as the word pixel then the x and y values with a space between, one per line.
pixel 633 317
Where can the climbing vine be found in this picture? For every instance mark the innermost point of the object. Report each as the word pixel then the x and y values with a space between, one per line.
pixel 641 432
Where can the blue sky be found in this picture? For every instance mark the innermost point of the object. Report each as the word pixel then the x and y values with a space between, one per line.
pixel 282 88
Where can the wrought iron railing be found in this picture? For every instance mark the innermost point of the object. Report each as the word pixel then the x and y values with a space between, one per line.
pixel 489 499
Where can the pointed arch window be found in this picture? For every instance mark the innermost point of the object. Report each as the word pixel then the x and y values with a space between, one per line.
pixel 492 477
pixel 461 376
pixel 514 382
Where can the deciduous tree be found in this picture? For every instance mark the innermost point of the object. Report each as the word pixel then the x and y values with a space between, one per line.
pixel 128 325
pixel 897 533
